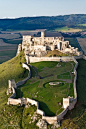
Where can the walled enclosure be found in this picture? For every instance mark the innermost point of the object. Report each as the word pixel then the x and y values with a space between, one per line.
pixel 68 103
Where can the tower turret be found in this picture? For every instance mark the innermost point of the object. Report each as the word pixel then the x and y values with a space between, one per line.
pixel 42 34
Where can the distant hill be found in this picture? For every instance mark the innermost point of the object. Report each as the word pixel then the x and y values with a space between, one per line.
pixel 43 22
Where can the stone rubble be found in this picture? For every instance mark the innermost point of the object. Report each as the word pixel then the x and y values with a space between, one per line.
pixel 56 125
pixel 42 124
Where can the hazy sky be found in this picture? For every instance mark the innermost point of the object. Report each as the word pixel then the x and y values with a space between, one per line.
pixel 24 8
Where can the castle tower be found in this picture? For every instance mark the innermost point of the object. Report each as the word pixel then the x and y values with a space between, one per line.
pixel 42 34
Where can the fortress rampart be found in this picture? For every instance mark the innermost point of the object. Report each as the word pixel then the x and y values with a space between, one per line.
pixel 68 103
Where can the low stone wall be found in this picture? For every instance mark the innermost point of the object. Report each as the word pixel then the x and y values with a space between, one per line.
pixel 38 59
pixel 72 104
pixel 50 120
pixel 14 101
pixel 11 99
pixel 33 102
pixel 62 114
pixel 24 65
pixel 40 112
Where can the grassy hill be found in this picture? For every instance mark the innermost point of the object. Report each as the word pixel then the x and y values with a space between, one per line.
pixel 43 22
pixel 11 69
pixel 20 116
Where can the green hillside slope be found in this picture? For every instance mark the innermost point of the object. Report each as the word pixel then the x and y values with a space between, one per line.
pixel 12 69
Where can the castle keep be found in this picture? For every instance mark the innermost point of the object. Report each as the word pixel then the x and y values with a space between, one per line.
pixel 39 46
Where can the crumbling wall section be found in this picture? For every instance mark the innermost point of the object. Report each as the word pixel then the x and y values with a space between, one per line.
pixel 69 106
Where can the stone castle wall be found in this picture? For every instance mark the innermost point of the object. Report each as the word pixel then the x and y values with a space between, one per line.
pixel 38 59
pixel 24 65
pixel 71 105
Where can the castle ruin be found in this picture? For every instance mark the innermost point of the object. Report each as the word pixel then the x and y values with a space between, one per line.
pixel 39 46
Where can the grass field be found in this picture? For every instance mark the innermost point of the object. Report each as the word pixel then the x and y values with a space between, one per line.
pixel 48 96
pixel 66 29
pixel 9 36
pixel 64 76
pixel 82 24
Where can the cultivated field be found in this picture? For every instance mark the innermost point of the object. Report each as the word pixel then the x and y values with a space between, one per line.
pixel 7 51
pixel 82 24
pixel 82 42
pixel 66 29
pixel 11 37
pixel 50 97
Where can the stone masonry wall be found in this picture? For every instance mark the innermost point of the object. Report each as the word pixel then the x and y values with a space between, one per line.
pixel 50 120
pixel 38 59
pixel 24 65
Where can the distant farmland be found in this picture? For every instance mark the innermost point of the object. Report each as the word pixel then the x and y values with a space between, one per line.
pixel 82 42
pixel 67 29
pixel 10 37
pixel 7 51
pixel 72 42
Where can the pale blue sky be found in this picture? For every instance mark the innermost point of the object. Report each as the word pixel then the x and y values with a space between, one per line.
pixel 25 8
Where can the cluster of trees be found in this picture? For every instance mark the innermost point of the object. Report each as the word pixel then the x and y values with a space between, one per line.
pixel 43 22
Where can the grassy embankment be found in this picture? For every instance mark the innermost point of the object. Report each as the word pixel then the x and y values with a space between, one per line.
pixel 13 116
pixel 48 96
pixel 55 53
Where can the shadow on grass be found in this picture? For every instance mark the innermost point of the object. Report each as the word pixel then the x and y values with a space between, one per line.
pixel 34 71
pixel 44 107
pixel 19 93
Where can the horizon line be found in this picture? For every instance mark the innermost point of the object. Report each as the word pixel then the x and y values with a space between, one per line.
pixel 42 16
